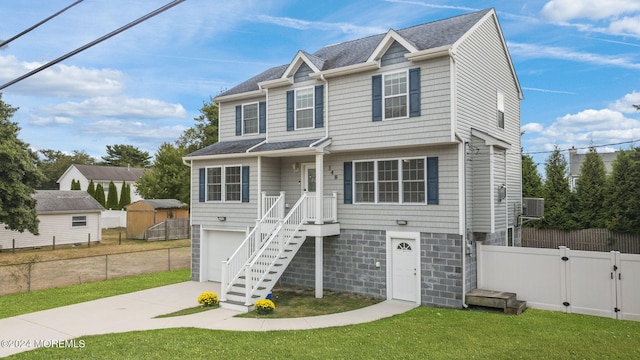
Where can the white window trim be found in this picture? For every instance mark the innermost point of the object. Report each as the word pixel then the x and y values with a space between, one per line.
pixel 400 181
pixel 223 192
pixel 257 104
pixel 384 95
pixel 295 108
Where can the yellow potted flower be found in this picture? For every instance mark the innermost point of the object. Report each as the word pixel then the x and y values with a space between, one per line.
pixel 208 298
pixel 264 306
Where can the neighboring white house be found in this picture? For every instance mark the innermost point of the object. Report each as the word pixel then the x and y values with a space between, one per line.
pixel 576 160
pixel 102 175
pixel 70 216
pixel 372 165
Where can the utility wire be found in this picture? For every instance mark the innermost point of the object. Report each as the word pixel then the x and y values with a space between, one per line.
pixel 97 41
pixel 581 148
pixel 2 44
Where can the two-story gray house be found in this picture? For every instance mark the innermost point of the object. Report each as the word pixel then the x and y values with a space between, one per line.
pixel 371 166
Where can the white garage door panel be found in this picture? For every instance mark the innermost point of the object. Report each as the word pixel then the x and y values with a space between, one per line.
pixel 220 246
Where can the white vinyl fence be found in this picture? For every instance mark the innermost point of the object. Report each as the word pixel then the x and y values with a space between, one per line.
pixel 573 281
pixel 113 219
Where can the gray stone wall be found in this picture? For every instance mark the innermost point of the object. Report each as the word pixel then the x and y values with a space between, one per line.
pixel 195 252
pixel 441 257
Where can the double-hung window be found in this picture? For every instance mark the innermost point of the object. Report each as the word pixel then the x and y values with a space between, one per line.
pixel 390 181
pixel 224 183
pixel 304 108
pixel 396 95
pixel 250 118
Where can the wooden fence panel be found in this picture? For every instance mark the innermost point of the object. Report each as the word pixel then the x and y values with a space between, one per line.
pixel 585 240
pixel 170 229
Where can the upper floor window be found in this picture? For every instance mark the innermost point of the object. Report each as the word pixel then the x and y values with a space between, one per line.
pixel 224 183
pixel 304 108
pixel 500 110
pixel 250 118
pixel 395 95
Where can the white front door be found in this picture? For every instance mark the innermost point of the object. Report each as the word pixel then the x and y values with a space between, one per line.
pixel 309 178
pixel 405 269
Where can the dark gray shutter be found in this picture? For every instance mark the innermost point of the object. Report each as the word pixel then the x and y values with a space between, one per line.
pixel 202 185
pixel 319 104
pixel 348 182
pixel 432 180
pixel 238 120
pixel 262 116
pixel 245 184
pixel 290 110
pixel 376 98
pixel 414 92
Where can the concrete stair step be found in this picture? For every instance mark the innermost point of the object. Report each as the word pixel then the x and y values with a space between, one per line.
pixel 507 301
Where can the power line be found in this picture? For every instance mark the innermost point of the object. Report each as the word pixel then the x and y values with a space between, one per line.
pixel 97 41
pixel 581 148
pixel 40 23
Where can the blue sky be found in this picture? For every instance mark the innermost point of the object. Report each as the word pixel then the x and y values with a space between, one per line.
pixel 578 62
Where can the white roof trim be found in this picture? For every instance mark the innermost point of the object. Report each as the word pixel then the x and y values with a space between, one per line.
pixel 241 96
pixel 346 70
pixel 429 53
pixel 275 83
pixel 386 42
pixel 490 140
pixel 300 58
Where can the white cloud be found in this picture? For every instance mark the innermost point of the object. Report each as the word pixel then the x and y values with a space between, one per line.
pixel 319 25
pixel 552 52
pixel 50 121
pixel 435 6
pixel 60 80
pixel 134 132
pixel 532 128
pixel 116 107
pixel 565 10
pixel 625 104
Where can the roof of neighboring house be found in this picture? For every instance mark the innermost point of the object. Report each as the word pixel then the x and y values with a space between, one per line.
pixel 252 146
pixel 107 173
pixel 162 203
pixel 426 36
pixel 59 201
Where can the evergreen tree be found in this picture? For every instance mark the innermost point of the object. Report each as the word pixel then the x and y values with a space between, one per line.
pixel 75 184
pixel 19 176
pixel 624 191
pixel 557 194
pixel 125 195
pixel 531 180
pixel 91 189
pixel 590 192
pixel 100 194
pixel 112 197
pixel 126 155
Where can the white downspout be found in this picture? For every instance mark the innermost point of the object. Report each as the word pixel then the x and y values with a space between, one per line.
pixel 326 105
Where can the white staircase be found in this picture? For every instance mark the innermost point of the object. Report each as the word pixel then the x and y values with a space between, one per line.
pixel 253 270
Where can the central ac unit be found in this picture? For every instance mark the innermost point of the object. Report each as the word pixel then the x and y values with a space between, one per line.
pixel 533 208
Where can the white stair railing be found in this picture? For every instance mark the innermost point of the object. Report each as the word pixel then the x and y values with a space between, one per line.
pixel 273 250
pixel 231 268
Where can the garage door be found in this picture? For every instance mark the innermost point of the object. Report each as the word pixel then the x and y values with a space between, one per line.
pixel 220 245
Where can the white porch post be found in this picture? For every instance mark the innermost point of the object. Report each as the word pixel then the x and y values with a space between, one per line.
pixel 319 220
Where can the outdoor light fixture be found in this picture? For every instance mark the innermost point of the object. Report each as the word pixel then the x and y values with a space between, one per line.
pixel 222 218
pixel 402 222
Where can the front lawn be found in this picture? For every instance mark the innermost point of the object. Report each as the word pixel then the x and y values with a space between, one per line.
pixel 423 333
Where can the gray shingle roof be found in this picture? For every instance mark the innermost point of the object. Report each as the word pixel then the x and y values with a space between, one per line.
pixel 59 201
pixel 241 146
pixel 426 36
pixel 110 173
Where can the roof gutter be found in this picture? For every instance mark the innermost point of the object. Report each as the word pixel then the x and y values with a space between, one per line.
pixel 429 53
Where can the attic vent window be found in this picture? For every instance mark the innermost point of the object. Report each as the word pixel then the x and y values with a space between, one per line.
pixel 500 110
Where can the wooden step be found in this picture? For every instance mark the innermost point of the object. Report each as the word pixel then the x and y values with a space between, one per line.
pixel 506 301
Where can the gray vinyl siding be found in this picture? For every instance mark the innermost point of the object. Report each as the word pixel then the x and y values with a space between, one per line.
pixel 227 120
pixel 277 119
pixel 238 215
pixel 480 158
pixel 499 179
pixel 394 55
pixel 441 218
pixel 482 69
pixel 350 124
pixel 271 176
pixel 302 74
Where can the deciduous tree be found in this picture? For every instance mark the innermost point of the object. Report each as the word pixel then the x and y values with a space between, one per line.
pixel 204 132
pixel 168 178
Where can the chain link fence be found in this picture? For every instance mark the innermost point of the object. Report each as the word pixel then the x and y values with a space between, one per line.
pixel 38 275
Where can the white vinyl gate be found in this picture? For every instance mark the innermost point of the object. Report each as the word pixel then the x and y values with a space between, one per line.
pixel 582 282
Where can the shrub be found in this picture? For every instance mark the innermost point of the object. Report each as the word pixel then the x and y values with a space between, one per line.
pixel 265 306
pixel 208 298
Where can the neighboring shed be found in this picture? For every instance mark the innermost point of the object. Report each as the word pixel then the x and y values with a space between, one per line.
pixel 143 214
pixel 69 216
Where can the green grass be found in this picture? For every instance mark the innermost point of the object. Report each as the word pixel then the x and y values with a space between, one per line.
pixel 23 303
pixel 293 302
pixel 423 333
